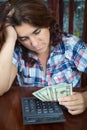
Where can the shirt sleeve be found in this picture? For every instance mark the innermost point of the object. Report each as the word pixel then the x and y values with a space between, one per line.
pixel 76 52
pixel 17 60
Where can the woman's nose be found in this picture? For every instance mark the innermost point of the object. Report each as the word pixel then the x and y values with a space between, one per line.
pixel 34 42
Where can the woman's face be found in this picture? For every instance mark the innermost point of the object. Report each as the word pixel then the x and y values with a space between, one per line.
pixel 34 38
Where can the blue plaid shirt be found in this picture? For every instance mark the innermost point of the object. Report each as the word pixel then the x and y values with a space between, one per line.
pixel 65 64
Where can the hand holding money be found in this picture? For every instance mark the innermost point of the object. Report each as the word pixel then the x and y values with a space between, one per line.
pixel 53 93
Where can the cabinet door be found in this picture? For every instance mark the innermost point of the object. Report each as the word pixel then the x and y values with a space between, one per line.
pixel 73 13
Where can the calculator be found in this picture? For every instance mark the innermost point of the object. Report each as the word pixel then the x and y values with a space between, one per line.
pixel 35 111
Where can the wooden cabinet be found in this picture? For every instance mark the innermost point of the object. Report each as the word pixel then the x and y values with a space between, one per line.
pixel 72 15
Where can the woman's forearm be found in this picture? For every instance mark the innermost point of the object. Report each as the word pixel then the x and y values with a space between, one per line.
pixel 6 63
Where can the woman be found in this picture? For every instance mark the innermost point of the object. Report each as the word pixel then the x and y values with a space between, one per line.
pixel 39 54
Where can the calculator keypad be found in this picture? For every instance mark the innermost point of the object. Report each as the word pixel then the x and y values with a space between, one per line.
pixel 37 112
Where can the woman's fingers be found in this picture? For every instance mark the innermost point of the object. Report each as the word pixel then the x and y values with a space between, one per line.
pixel 74 103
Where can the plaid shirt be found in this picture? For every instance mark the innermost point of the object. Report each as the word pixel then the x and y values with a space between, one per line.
pixel 65 63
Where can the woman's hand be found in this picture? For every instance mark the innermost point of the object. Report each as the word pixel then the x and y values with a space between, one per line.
pixel 7 34
pixel 11 33
pixel 76 103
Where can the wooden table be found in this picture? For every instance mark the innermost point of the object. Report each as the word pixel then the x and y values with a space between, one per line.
pixel 11 113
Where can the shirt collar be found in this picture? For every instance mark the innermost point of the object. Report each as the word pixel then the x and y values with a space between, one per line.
pixel 58 49
pixel 33 55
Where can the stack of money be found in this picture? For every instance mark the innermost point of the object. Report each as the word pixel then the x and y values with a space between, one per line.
pixel 52 93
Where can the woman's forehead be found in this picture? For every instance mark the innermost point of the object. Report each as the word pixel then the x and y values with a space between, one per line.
pixel 25 28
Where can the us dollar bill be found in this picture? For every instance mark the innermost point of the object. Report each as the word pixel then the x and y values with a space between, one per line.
pixel 52 93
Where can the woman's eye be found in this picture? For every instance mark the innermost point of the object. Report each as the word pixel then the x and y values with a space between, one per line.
pixel 23 39
pixel 37 31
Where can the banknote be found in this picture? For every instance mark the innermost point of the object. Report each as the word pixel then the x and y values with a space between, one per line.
pixel 52 93
pixel 61 91
pixel 42 94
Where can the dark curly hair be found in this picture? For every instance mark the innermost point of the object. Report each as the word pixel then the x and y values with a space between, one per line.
pixel 3 14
